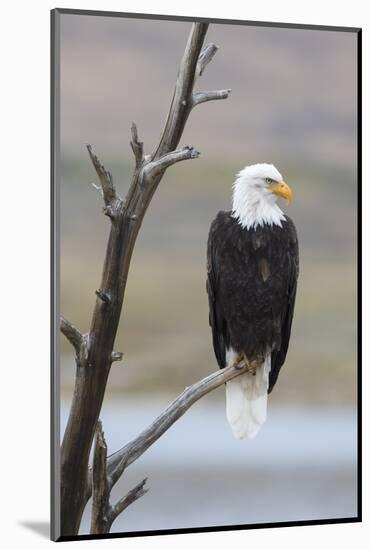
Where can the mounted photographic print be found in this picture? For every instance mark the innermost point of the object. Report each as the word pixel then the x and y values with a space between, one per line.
pixel 205 180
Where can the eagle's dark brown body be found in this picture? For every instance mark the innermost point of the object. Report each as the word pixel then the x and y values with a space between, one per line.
pixel 251 284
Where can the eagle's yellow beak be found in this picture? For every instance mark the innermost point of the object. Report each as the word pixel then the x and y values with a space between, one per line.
pixel 282 190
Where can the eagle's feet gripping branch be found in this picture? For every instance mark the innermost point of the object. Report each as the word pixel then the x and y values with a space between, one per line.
pixel 242 361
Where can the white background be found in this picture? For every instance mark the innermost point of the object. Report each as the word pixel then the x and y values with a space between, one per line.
pixel 24 218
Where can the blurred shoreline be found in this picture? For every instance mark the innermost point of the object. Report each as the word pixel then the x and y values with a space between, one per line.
pixel 302 465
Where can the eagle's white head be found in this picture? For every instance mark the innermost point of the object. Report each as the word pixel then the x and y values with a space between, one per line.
pixel 255 193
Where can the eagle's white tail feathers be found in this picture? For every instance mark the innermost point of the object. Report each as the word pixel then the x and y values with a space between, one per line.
pixel 246 401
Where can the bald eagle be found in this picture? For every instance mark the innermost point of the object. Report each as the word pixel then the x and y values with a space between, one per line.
pixel 252 271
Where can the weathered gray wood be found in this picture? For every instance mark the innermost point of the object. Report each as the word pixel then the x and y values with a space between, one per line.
pixel 137 146
pixel 133 495
pixel 116 356
pixel 95 354
pixel 181 103
pixel 202 97
pixel 103 514
pixel 72 334
pixel 111 199
pixel 101 505
pixel 205 57
pixel 154 168
pixel 119 461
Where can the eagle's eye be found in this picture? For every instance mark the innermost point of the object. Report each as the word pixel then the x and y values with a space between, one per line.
pixel 269 181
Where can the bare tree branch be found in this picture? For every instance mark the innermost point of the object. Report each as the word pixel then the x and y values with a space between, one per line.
pixel 72 334
pixel 181 103
pixel 192 65
pixel 155 167
pixel 103 514
pixel 101 492
pixel 111 199
pixel 137 146
pixel 116 356
pixel 105 177
pixel 103 296
pixel 96 354
pixel 202 97
pixel 128 499
pixel 205 57
pixel 120 460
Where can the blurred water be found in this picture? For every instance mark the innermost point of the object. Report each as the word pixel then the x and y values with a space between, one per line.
pixel 302 465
